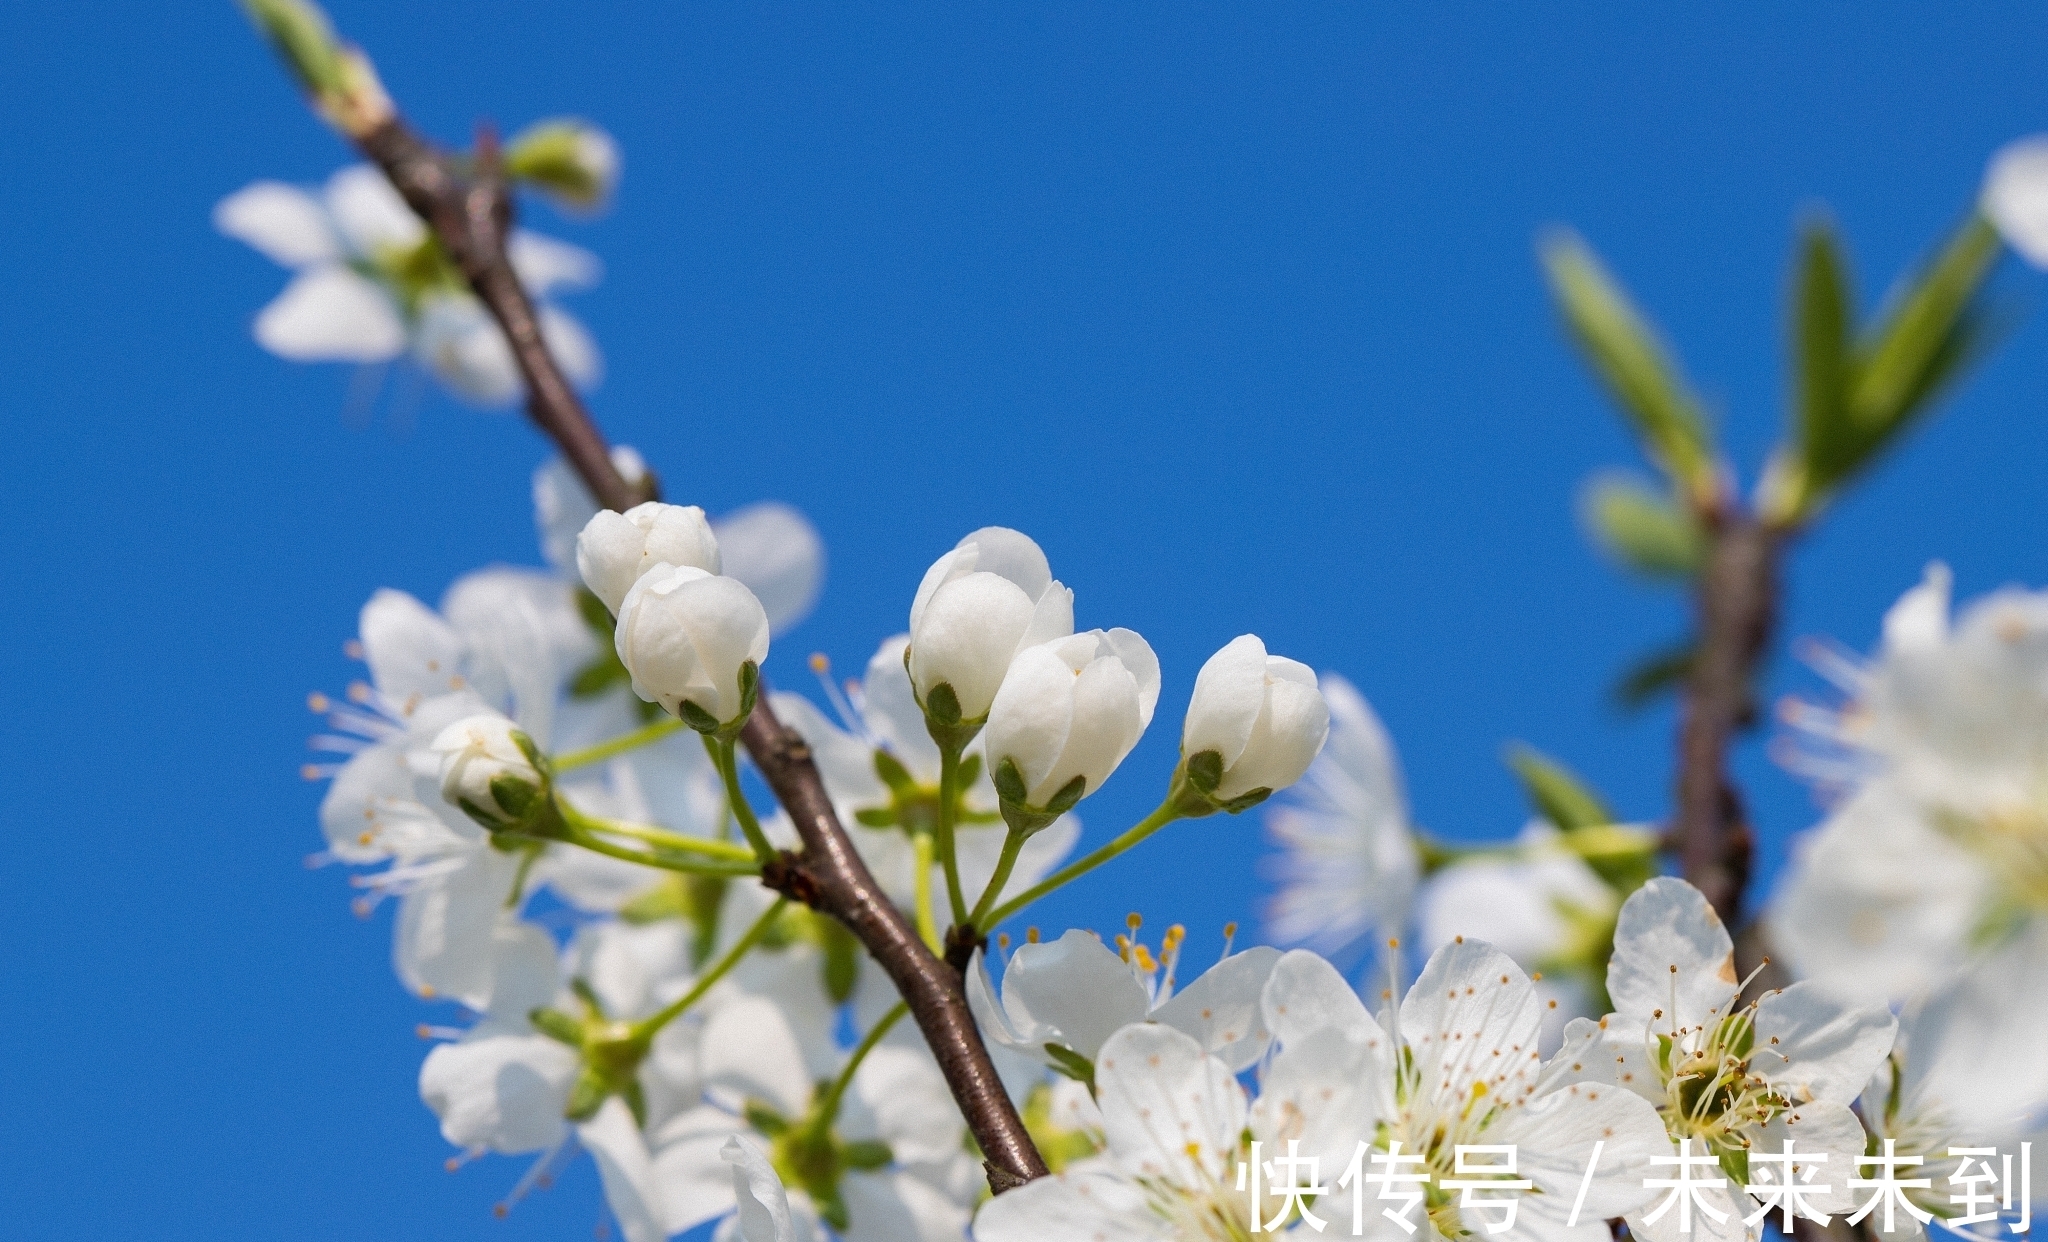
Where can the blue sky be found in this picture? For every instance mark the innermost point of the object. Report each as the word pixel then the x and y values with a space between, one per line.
pixel 1234 310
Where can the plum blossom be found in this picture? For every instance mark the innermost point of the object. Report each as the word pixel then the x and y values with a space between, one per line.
pixel 370 285
pixel 1349 865
pixel 1069 711
pixel 693 642
pixel 979 605
pixel 1260 715
pixel 615 550
pixel 1731 1079
pixel 1062 1001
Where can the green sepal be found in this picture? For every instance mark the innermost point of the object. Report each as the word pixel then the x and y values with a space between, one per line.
pixel 635 1097
pixel 1204 770
pixel 866 1155
pixel 1556 792
pixel 1075 1066
pixel 1246 800
pixel 1068 794
pixel 587 1096
pixel 970 771
pixel 515 796
pixel 557 1026
pixel 764 1118
pixel 597 677
pixel 1655 673
pixel 1022 820
pixel 942 705
pixel 893 773
pixel 1735 1163
pixel 1009 782
pixel 588 995
pixel 697 718
pixel 876 817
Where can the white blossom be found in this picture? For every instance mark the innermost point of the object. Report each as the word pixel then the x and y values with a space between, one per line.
pixel 1262 714
pixel 615 550
pixel 686 636
pixel 1729 1079
pixel 763 1203
pixel 2015 196
pixel 1073 993
pixel 1349 865
pixel 979 605
pixel 369 285
pixel 477 753
pixel 1071 709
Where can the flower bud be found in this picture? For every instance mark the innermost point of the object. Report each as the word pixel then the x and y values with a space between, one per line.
pixel 491 770
pixel 1067 714
pixel 616 549
pixel 694 643
pixel 567 158
pixel 979 605
pixel 1255 723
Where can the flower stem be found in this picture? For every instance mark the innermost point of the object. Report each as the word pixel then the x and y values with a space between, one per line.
pixel 921 859
pixel 661 837
pixel 1013 845
pixel 728 765
pixel 1137 832
pixel 616 746
pixel 827 1106
pixel 655 1021
pixel 949 805
pixel 687 866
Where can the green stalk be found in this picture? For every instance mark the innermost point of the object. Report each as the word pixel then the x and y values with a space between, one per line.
pixel 1137 832
pixel 679 842
pixel 654 1022
pixel 921 859
pixel 598 845
pixel 828 1104
pixel 1013 845
pixel 616 746
pixel 728 765
pixel 949 799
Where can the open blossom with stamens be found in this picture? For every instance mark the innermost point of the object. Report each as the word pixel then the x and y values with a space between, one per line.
pixel 1349 865
pixel 882 769
pixel 1730 1079
pixel 1061 1001
pixel 1454 1062
pixel 505 1086
pixel 1942 843
pixel 370 284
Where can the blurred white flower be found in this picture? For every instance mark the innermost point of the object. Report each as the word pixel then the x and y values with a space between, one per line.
pixel 2015 196
pixel 370 284
pixel 1349 865
pixel 1941 849
pixel 763 1201
pixel 1260 714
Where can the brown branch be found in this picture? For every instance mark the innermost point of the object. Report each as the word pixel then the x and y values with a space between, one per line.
pixel 1736 606
pixel 470 212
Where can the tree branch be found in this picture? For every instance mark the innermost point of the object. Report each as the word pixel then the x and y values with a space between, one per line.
pixel 470 212
pixel 1736 603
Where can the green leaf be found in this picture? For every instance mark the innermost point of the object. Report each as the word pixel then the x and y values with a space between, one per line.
pixel 565 157
pixel 1558 793
pixel 304 40
pixel 1624 350
pixel 1823 357
pixel 1916 348
pixel 841 970
pixel 1654 674
pixel 595 614
pixel 597 677
pixel 1641 527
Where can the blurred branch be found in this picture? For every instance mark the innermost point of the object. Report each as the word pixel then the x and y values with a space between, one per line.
pixel 468 206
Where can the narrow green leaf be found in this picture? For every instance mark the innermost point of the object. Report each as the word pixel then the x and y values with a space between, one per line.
pixel 1920 327
pixel 1625 352
pixel 1558 793
pixel 1653 674
pixel 1641 527
pixel 1822 357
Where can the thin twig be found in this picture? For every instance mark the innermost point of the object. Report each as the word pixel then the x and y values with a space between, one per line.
pixel 470 212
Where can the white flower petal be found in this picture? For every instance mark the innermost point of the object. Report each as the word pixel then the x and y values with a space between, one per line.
pixel 282 221
pixel 331 314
